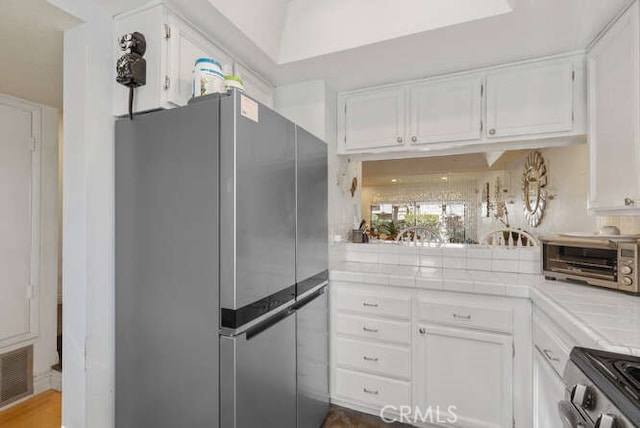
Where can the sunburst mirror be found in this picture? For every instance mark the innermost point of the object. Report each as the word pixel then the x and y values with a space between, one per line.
pixel 534 194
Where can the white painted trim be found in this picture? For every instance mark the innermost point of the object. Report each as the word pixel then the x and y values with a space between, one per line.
pixel 41 382
pixel 14 342
pixel 56 380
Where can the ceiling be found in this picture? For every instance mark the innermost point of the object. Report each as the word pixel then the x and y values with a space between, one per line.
pixel 31 40
pixel 294 30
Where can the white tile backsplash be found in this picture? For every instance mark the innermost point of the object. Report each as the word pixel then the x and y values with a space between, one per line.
pixel 500 265
pixel 454 262
pixel 474 257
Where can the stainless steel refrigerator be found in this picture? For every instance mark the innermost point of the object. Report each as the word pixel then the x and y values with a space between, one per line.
pixel 221 268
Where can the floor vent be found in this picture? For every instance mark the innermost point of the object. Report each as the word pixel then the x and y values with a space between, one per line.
pixel 16 375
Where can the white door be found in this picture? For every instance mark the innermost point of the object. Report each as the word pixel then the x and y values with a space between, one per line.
pixel 446 110
pixel 374 119
pixel 614 114
pixel 548 390
pixel 19 193
pixel 471 370
pixel 185 46
pixel 532 99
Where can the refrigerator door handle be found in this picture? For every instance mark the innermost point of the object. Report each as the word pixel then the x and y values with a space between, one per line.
pixel 299 305
pixel 267 324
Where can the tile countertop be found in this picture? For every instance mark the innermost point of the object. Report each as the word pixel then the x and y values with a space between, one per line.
pixel 594 317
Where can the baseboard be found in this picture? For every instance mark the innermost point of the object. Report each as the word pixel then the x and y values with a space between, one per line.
pixel 41 382
pixel 56 380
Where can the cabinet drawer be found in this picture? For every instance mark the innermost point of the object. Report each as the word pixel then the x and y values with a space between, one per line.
pixel 374 358
pixel 372 304
pixel 370 328
pixel 552 348
pixel 472 316
pixel 372 390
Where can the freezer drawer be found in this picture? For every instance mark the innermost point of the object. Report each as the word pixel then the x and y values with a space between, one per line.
pixel 313 360
pixel 258 375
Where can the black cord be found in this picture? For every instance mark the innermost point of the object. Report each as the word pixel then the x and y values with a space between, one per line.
pixel 131 103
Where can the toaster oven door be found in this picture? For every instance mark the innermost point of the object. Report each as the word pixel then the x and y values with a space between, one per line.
pixel 599 263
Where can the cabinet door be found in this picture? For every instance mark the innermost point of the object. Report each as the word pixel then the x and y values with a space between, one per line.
pixel 448 110
pixel 548 390
pixel 532 99
pixel 185 46
pixel 471 370
pixel 375 119
pixel 614 129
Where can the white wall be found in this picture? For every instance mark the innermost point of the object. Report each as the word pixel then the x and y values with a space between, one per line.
pixel 567 175
pixel 88 283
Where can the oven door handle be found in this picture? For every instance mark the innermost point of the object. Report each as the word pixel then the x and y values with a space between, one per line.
pixel 569 416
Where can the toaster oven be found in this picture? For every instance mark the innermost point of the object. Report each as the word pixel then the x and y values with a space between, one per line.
pixel 600 262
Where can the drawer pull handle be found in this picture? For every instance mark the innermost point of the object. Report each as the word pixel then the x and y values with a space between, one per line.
pixel 375 360
pixel 549 355
pixel 462 317
pixel 369 305
pixel 370 330
pixel 371 391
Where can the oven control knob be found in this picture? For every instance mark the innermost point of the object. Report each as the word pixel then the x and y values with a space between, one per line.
pixel 627 281
pixel 582 396
pixel 606 421
pixel 626 270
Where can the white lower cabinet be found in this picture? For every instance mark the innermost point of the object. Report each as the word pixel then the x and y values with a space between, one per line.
pixel 375 391
pixel 464 373
pixel 439 358
pixel 548 390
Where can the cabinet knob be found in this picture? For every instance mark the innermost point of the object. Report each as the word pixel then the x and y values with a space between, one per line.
pixel 492 132
pixel 629 202
pixel 414 138
pixel 399 139
pixel 422 330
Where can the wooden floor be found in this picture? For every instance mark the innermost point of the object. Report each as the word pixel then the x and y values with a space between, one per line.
pixel 42 411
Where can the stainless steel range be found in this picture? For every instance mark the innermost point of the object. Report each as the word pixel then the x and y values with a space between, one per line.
pixel 604 390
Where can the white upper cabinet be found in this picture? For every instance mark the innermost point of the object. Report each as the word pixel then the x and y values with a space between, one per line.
pixel 173 45
pixel 614 118
pixel 497 108
pixel 531 99
pixel 185 45
pixel 255 86
pixel 446 110
pixel 373 119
